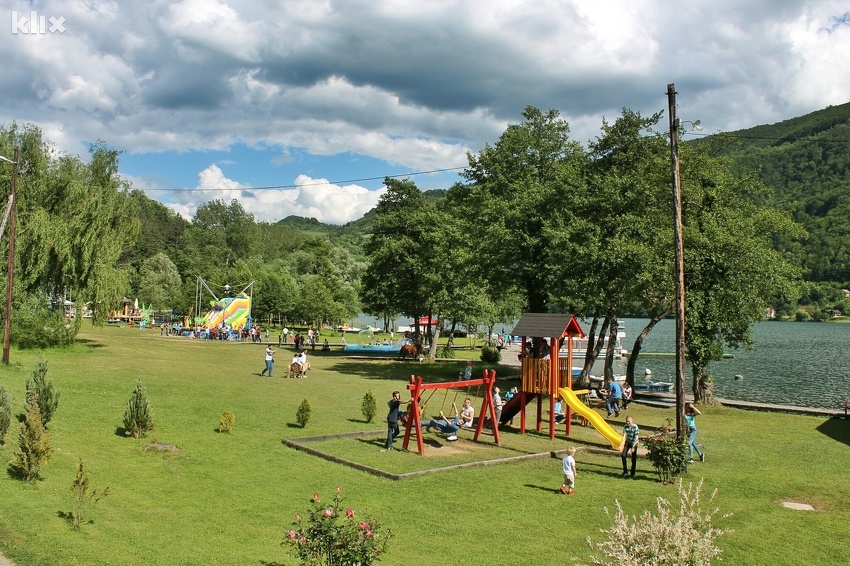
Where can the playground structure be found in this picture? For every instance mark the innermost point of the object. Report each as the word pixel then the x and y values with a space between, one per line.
pixel 547 376
pixel 233 311
pixel 417 387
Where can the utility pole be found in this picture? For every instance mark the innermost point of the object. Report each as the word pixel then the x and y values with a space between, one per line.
pixel 10 265
pixel 681 431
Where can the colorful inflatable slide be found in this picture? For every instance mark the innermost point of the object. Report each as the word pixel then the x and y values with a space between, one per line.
pixel 594 418
pixel 233 311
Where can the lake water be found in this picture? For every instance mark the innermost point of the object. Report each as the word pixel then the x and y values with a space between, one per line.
pixel 802 364
pixel 794 363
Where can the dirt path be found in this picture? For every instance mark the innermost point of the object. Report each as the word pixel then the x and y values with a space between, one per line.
pixel 5 561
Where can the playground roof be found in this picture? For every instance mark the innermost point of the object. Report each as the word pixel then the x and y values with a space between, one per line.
pixel 547 325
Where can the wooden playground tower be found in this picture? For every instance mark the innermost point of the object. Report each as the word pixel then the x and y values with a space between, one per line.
pixel 417 387
pixel 542 377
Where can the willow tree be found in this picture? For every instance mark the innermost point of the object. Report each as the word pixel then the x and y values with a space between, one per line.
pixel 74 220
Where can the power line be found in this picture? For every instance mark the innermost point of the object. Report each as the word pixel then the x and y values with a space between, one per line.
pixel 314 184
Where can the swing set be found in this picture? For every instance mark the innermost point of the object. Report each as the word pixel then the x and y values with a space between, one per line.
pixel 417 388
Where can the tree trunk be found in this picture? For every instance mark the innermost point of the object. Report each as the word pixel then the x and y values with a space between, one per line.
pixel 612 340
pixel 703 386
pixel 636 348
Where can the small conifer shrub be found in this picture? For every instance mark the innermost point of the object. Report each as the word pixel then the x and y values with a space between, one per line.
pixel 302 416
pixel 5 413
pixel 34 445
pixel 82 496
pixel 228 419
pixel 369 407
pixel 46 395
pixel 138 420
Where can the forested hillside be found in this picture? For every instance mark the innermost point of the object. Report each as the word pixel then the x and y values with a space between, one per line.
pixel 806 163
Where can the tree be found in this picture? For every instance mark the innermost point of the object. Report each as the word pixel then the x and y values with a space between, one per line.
pixel 138 420
pixel 732 271
pixel 45 394
pixel 5 413
pixel 514 187
pixel 402 274
pixel 160 282
pixel 34 445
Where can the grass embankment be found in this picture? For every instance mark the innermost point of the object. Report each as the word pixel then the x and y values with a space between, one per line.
pixel 228 498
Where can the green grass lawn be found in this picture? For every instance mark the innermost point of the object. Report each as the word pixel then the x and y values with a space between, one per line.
pixel 228 498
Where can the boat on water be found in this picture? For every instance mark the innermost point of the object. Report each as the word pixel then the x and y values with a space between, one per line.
pixel 654 386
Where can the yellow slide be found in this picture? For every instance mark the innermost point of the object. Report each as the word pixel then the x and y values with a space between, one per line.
pixel 611 435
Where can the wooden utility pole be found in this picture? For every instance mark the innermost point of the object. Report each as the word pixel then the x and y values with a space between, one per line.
pixel 10 264
pixel 681 431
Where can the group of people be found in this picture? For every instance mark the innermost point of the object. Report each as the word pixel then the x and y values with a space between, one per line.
pixel 617 397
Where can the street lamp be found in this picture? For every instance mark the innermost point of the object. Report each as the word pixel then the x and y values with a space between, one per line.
pixel 679 261
pixel 10 265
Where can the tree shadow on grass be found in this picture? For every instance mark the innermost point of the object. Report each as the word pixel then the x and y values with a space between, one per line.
pixel 837 429
pixel 88 343
pixel 395 370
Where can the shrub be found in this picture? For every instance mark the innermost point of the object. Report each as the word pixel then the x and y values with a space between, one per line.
pixel 228 419
pixel 36 326
pixel 369 406
pixel 446 352
pixel 46 396
pixel 138 420
pixel 5 413
pixel 672 537
pixel 667 453
pixel 35 447
pixel 302 416
pixel 332 535
pixel 82 497
pixel 490 354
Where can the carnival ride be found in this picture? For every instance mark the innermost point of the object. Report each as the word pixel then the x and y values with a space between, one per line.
pixel 233 311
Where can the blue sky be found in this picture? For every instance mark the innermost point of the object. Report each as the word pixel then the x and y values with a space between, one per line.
pixel 214 98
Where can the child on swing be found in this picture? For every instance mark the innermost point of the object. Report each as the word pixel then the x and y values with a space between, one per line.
pixel 450 427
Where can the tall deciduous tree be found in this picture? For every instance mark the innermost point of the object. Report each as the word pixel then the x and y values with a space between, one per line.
pixel 533 169
pixel 732 271
pixel 401 273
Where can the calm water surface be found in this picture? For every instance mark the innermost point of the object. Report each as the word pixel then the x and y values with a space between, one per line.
pixel 793 363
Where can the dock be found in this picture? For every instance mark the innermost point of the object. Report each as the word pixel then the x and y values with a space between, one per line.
pixel 667 400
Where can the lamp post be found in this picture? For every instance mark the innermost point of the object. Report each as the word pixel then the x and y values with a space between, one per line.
pixel 10 265
pixel 679 262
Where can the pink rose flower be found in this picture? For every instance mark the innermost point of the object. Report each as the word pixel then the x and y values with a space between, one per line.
pixel 369 533
pixel 349 512
pixel 364 526
pixel 315 497
pixel 292 534
pixel 329 512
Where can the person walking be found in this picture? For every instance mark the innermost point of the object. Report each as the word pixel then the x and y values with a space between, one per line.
pixel 269 361
pixel 569 467
pixel 629 445
pixel 691 413
pixel 394 405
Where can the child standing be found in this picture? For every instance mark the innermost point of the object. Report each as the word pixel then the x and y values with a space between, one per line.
pixel 569 466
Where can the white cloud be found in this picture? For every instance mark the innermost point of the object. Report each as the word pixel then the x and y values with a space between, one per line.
pixel 312 198
pixel 415 85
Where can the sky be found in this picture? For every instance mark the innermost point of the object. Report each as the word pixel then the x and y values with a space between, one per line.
pixel 303 107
